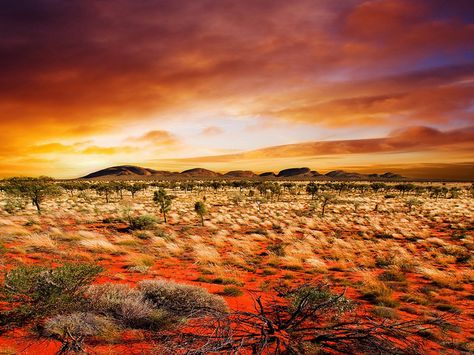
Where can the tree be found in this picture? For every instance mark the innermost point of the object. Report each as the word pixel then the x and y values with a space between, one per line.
pixel 104 188
pixel 136 187
pixel 119 186
pixel 412 202
pixel 275 190
pixel 200 209
pixel 403 188
pixel 69 186
pixel 326 199
pixel 164 200
pixel 312 189
pixel 376 186
pixel 34 189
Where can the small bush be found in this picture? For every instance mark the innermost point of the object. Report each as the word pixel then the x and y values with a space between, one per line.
pixel 128 306
pixel 181 300
pixel 385 312
pixel 142 222
pixel 35 292
pixel 232 291
pixel 226 281
pixel 278 249
pixel 392 275
pixel 378 293
pixel 73 329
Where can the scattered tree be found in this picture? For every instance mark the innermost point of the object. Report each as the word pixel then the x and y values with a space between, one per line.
pixel 312 189
pixel 200 209
pixel 34 189
pixel 326 199
pixel 164 200
pixel 136 187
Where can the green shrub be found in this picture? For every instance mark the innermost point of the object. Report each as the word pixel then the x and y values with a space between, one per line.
pixel 142 222
pixel 34 292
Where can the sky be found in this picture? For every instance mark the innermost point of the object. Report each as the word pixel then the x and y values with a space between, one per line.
pixel 368 86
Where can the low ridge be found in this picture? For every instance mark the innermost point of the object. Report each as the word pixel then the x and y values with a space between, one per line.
pixel 132 171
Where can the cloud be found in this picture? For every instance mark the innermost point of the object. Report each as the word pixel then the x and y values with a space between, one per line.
pixel 109 150
pixel 67 62
pixel 77 70
pixel 404 140
pixel 428 96
pixel 157 137
pixel 212 131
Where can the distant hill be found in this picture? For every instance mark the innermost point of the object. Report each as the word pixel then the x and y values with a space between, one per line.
pixel 344 175
pixel 200 173
pixel 137 172
pixel 341 174
pixel 123 170
pixel 302 172
pixel 268 174
pixel 243 174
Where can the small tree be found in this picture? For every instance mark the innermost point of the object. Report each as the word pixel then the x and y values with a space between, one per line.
pixel 119 186
pixel 312 189
pixel 326 199
pixel 404 188
pixel 162 199
pixel 275 190
pixel 200 209
pixel 376 186
pixel 412 202
pixel 104 188
pixel 134 188
pixel 34 189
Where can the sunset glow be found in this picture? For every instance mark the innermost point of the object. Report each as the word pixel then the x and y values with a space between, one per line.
pixel 369 86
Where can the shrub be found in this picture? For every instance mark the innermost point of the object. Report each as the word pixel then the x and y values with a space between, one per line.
pixel 73 329
pixel 227 281
pixel 385 312
pixel 127 305
pixel 35 292
pixel 392 275
pixel 378 293
pixel 277 248
pixel 142 222
pixel 181 300
pixel 313 320
pixel 232 291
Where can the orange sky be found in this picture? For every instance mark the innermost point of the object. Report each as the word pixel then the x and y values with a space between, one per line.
pixel 174 84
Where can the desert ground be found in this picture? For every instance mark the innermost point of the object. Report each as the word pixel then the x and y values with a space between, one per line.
pixel 399 256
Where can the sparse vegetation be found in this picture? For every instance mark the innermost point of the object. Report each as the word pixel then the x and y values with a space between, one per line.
pixel 399 261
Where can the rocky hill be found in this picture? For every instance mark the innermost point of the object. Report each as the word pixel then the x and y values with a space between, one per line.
pixel 137 172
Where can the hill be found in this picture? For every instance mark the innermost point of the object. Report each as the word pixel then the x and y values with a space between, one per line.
pixel 137 172
pixel 122 170
pixel 242 174
pixel 197 173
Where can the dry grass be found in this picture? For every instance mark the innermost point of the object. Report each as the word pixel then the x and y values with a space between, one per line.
pixel 386 257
